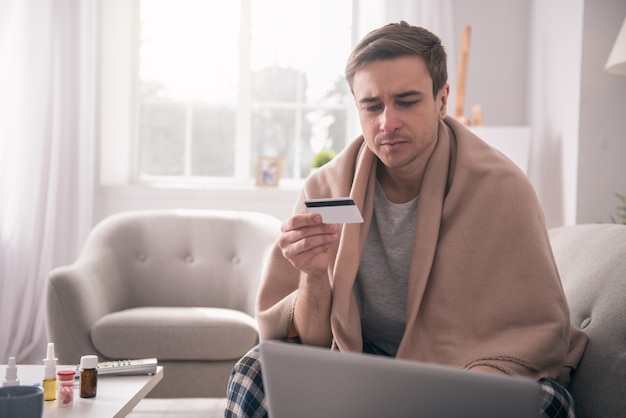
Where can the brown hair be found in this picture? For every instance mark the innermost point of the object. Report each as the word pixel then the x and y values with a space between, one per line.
pixel 397 40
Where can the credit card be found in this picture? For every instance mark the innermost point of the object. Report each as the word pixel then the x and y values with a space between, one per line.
pixel 335 210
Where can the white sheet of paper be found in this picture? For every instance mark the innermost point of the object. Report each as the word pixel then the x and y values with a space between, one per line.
pixel 335 210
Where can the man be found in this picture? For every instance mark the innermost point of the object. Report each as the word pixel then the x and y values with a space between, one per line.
pixel 452 265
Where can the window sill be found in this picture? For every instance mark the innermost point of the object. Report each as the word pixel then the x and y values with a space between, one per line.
pixel 277 201
pixel 218 185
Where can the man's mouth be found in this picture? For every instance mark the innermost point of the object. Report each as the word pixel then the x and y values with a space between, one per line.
pixel 392 140
pixel 391 143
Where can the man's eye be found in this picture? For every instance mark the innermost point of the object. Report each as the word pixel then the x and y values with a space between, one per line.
pixel 408 103
pixel 373 108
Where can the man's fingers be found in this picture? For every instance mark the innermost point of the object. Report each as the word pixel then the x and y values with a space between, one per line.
pixel 301 221
pixel 304 240
pixel 294 244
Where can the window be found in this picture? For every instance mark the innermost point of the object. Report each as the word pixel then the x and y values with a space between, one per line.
pixel 223 83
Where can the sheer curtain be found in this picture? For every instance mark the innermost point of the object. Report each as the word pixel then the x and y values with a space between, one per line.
pixel 47 156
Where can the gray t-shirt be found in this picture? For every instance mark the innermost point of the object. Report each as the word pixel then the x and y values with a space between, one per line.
pixel 382 279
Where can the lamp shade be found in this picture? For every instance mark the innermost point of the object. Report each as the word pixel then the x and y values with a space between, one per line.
pixel 616 64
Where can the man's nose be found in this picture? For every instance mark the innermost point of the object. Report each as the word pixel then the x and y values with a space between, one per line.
pixel 389 120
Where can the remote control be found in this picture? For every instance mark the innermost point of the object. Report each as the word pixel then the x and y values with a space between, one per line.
pixel 126 367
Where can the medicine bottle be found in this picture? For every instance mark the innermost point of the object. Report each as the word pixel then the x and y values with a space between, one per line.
pixel 49 382
pixel 10 378
pixel 88 376
pixel 65 387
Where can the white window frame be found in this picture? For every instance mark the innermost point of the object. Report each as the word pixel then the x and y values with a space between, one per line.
pixel 244 173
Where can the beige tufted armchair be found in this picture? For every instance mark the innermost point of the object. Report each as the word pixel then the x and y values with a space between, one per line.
pixel 176 285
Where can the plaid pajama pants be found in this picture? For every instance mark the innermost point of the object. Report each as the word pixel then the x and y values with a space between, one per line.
pixel 246 397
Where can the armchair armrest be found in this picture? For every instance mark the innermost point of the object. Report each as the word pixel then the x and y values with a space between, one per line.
pixel 77 296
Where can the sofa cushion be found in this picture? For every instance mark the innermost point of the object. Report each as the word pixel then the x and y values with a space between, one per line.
pixel 175 333
pixel 592 262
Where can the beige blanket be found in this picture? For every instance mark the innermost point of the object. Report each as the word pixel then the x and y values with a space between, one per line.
pixel 483 285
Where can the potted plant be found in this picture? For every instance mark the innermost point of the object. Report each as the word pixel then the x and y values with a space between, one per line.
pixel 620 213
pixel 322 158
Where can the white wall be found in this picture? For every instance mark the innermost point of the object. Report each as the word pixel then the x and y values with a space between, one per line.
pixel 554 70
pixel 541 63
pixel 602 145
pixel 578 111
pixel 498 56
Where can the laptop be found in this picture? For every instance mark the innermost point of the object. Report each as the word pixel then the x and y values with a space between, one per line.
pixel 304 381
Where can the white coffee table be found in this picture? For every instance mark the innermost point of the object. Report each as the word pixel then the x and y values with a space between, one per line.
pixel 116 395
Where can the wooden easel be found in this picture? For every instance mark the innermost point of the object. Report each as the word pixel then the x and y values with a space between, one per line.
pixel 460 96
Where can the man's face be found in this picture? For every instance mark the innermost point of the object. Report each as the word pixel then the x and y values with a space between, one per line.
pixel 398 113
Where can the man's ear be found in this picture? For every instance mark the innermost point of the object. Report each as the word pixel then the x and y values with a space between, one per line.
pixel 442 101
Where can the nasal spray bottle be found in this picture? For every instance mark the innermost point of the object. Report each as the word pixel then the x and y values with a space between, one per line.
pixel 10 378
pixel 50 375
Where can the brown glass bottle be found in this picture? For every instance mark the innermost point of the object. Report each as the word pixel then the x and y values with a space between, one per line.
pixel 88 376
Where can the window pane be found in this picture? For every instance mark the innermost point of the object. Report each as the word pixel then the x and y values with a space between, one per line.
pixel 277 84
pixel 298 65
pixel 213 141
pixel 220 86
pixel 188 56
pixel 162 133
pixel 189 50
pixel 327 132
pixel 309 36
pixel 274 134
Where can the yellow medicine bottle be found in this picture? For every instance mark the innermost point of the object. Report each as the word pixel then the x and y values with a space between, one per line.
pixel 49 382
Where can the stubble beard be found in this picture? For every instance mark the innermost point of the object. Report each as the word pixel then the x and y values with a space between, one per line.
pixel 391 161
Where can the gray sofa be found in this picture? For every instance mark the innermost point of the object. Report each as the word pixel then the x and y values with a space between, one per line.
pixel 176 285
pixel 592 262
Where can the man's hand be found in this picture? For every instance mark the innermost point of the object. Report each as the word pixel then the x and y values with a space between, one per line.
pixel 486 369
pixel 305 241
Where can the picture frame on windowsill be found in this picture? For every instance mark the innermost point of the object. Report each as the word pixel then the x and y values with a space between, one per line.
pixel 268 171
